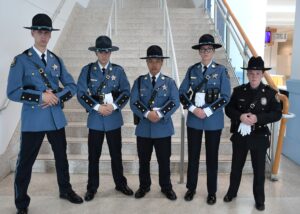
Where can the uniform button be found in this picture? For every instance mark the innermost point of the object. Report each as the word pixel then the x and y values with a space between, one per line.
pixel 29 98
pixel 32 107
pixel 37 100
pixel 32 74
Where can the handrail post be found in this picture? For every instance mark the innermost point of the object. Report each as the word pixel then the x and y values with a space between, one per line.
pixel 227 37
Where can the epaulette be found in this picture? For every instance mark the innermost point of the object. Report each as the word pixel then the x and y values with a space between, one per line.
pixel 116 65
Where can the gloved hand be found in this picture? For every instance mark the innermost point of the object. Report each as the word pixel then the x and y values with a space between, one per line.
pixel 244 129
pixel 199 99
pixel 108 99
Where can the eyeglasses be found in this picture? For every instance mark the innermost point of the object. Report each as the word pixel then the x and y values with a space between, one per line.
pixel 206 50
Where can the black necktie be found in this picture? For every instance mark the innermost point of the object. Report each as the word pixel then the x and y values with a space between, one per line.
pixel 43 59
pixel 103 71
pixel 204 69
pixel 153 81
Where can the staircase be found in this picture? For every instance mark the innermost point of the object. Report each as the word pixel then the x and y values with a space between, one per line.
pixel 140 24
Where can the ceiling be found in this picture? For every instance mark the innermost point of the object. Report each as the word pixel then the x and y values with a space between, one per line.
pixel 281 13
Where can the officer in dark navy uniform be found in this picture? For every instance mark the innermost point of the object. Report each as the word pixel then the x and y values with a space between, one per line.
pixel 33 80
pixel 204 92
pixel 251 107
pixel 103 90
pixel 154 98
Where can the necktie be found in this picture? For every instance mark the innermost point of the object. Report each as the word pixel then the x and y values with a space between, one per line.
pixel 153 81
pixel 204 69
pixel 103 71
pixel 44 60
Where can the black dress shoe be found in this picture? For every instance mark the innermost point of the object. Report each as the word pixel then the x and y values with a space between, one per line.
pixel 211 199
pixel 72 197
pixel 260 206
pixel 22 211
pixel 89 195
pixel 228 198
pixel 124 189
pixel 189 195
pixel 170 194
pixel 141 192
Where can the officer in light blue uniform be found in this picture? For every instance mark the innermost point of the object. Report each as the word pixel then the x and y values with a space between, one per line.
pixel 154 98
pixel 103 90
pixel 33 80
pixel 204 92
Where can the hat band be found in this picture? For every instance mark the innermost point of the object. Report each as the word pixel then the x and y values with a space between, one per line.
pixel 42 27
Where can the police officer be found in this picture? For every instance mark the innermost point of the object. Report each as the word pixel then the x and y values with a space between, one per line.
pixel 33 80
pixel 154 98
pixel 204 92
pixel 103 90
pixel 251 107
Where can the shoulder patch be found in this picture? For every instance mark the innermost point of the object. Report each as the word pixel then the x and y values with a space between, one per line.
pixel 227 74
pixel 13 63
pixel 277 97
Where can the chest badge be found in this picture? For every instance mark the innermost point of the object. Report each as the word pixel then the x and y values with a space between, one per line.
pixel 164 87
pixel 215 76
pixel 263 101
pixel 113 77
pixel 54 67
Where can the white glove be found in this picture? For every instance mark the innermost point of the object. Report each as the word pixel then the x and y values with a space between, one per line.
pixel 199 99
pixel 244 129
pixel 108 99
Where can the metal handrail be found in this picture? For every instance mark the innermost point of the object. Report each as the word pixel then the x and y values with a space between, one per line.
pixel 170 47
pixel 5 104
pixel 113 12
pixel 222 4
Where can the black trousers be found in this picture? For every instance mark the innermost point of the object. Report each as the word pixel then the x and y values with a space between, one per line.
pixel 163 153
pixel 212 142
pixel 95 142
pixel 29 148
pixel 258 159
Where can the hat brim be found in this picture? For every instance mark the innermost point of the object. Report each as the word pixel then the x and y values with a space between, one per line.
pixel 41 28
pixel 95 49
pixel 215 45
pixel 256 69
pixel 155 57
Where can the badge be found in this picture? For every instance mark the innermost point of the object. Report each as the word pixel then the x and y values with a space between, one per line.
pixel 263 101
pixel 13 63
pixel 110 68
pixel 162 77
pixel 215 76
pixel 54 67
pixel 193 78
pixel 94 80
pixel 113 77
pixel 95 68
pixel 145 78
pixel 164 87
pixel 213 65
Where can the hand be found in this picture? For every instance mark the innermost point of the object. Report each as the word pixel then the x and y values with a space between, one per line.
pixel 49 99
pixel 105 109
pixel 153 117
pixel 198 112
pixel 247 119
pixel 253 118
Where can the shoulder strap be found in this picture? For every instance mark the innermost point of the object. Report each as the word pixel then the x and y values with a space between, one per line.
pixel 88 76
pixel 41 71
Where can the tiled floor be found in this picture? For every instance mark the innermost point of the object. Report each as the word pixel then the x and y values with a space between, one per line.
pixel 282 197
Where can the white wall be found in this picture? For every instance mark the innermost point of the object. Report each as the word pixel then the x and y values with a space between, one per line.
pixel 14 15
pixel 252 17
pixel 198 3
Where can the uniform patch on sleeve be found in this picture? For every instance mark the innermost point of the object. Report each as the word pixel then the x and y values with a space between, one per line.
pixel 13 63
pixel 277 98
pixel 227 74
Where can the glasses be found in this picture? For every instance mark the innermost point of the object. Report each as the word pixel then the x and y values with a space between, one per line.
pixel 206 50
